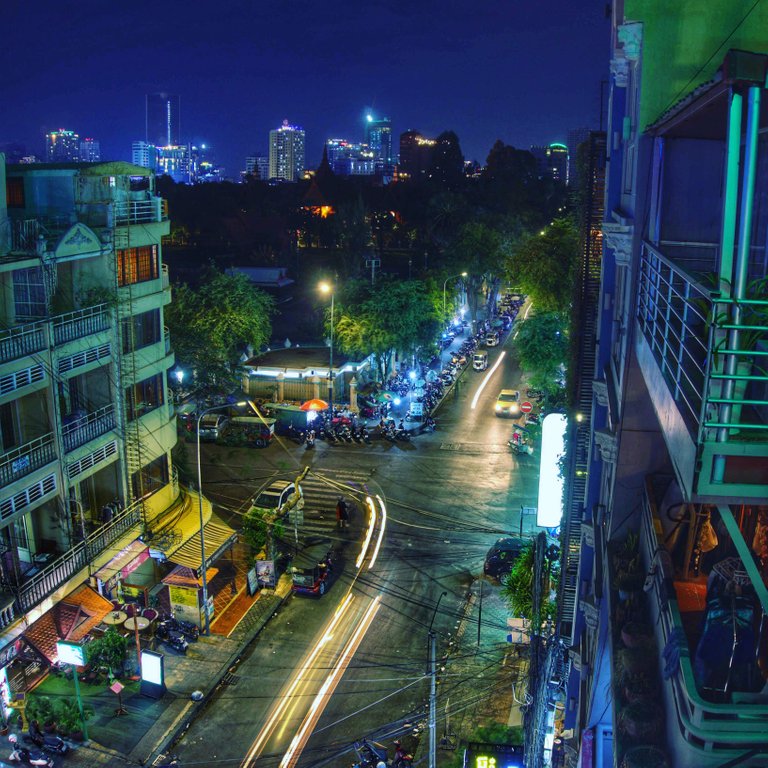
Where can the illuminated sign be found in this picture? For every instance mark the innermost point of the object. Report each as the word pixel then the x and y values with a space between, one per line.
pixel 493 756
pixel 70 653
pixel 152 667
pixel 550 506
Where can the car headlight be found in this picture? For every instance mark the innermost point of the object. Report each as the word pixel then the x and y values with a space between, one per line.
pixel 514 407
pixel 498 407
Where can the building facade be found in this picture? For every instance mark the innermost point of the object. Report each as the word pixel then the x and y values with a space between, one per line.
pixel 176 162
pixel 415 155
pixel 163 119
pixel 663 598
pixel 349 159
pixel 286 152
pixel 552 161
pixel 257 165
pixel 62 146
pixel 378 137
pixel 90 151
pixel 144 154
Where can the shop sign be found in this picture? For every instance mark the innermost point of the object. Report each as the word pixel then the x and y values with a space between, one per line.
pixel 253 582
pixel 9 652
pixel 265 571
pixel 185 604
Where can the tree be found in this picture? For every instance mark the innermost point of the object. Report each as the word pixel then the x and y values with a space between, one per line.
pixel 541 264
pixel 108 651
pixel 257 524
pixel 211 326
pixel 542 347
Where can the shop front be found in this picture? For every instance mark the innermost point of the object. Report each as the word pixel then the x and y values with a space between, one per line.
pixel 128 576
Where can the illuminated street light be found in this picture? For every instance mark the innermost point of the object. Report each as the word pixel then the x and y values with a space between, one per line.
pixel 328 288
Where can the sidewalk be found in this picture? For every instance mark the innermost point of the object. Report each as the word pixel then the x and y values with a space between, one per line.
pixel 150 726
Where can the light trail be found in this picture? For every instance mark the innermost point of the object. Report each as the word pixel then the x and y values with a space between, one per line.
pixel 487 379
pixel 369 532
pixel 285 697
pixel 329 686
pixel 381 531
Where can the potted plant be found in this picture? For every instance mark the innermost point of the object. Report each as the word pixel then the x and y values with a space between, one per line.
pixel 70 722
pixel 108 651
pixel 641 721
pixel 645 756
pixel 40 708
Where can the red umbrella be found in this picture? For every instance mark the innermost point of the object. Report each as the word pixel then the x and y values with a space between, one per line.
pixel 314 405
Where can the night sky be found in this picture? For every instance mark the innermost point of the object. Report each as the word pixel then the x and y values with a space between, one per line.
pixel 522 72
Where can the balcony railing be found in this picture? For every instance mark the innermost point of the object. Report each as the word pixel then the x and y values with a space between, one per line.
pixel 707 726
pixel 138 211
pixel 81 323
pixel 27 458
pixel 89 427
pixel 34 591
pixel 21 341
pixel 26 235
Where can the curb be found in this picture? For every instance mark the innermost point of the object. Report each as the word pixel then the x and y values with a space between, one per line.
pixel 191 708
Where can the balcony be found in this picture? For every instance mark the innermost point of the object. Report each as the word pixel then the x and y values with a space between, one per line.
pixel 53 576
pixel 81 430
pixel 22 340
pixel 707 377
pixel 709 610
pixel 139 211
pixel 25 459
pixel 81 323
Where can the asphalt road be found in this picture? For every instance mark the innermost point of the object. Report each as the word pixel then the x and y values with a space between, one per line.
pixel 448 496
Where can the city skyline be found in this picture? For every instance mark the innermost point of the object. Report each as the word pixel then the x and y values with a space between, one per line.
pixel 519 74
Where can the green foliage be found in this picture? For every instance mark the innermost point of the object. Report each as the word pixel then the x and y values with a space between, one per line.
pixel 68 714
pixel 517 590
pixel 542 265
pixel 256 529
pixel 542 348
pixel 40 708
pixel 211 326
pixel 108 651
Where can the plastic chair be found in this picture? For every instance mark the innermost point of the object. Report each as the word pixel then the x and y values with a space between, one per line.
pixel 150 614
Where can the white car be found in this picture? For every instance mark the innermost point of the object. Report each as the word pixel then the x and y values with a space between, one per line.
pixel 276 494
pixel 492 339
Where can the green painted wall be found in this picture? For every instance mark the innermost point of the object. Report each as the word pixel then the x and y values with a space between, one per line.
pixel 680 35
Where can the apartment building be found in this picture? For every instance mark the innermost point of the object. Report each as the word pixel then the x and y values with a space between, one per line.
pixel 86 422
pixel 664 596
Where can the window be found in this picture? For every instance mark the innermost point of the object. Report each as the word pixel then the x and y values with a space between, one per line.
pixel 137 265
pixel 14 190
pixel 145 396
pixel 141 330
pixel 29 294
pixel 151 477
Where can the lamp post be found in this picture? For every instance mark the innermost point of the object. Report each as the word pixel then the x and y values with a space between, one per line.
pixel 200 499
pixel 462 274
pixel 328 288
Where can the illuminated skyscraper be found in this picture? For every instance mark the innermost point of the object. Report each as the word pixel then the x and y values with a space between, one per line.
pixel 552 161
pixel 349 159
pixel 163 115
pixel 378 136
pixel 144 154
pixel 62 146
pixel 286 152
pixel 415 154
pixel 90 151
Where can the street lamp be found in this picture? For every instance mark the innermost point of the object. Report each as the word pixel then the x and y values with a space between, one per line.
pixel 200 499
pixel 328 288
pixel 463 274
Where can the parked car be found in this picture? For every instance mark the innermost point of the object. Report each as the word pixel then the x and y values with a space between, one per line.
pixel 508 403
pixel 480 361
pixel 492 339
pixel 213 426
pixel 276 494
pixel 311 568
pixel 502 555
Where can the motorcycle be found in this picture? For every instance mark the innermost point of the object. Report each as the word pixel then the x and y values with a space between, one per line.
pixel 370 754
pixel 27 756
pixel 171 637
pixel 365 435
pixel 187 628
pixel 48 742
pixel 309 441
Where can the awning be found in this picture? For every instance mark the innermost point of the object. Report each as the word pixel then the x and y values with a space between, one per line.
pixel 219 537
pixel 174 527
pixel 181 576
pixel 124 562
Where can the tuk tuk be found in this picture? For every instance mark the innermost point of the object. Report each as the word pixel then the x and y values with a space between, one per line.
pixel 311 568
pixel 287 416
pixel 255 429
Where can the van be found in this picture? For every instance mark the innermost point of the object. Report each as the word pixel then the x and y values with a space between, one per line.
pixel 213 426
pixel 480 361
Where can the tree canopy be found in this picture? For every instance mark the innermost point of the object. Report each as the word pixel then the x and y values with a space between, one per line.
pixel 542 347
pixel 211 326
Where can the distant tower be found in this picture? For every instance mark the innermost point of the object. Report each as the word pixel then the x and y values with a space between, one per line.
pixel 62 146
pixel 552 161
pixel 90 151
pixel 415 154
pixel 163 116
pixel 286 152
pixel 378 136
pixel 144 154
pixel 576 136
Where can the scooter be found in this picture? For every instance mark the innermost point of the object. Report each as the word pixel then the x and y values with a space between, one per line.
pixel 172 638
pixel 365 435
pixel 28 757
pixel 310 439
pixel 48 742
pixel 187 628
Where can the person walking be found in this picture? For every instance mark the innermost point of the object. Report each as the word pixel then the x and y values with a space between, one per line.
pixel 341 512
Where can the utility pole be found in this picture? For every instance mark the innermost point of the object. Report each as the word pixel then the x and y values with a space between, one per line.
pixel 280 513
pixel 433 688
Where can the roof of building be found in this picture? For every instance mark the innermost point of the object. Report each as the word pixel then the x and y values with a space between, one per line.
pixel 298 358
pixel 114 168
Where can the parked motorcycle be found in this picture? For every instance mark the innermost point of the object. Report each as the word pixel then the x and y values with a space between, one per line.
pixel 26 756
pixel 173 638
pixel 46 741
pixel 309 441
pixel 187 628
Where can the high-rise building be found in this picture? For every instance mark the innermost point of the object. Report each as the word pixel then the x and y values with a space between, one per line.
pixel 144 154
pixel 163 116
pixel 552 161
pixel 90 151
pixel 665 541
pixel 176 162
pixel 258 165
pixel 415 154
pixel 62 146
pixel 203 168
pixel 86 423
pixel 576 137
pixel 378 136
pixel 286 152
pixel 346 158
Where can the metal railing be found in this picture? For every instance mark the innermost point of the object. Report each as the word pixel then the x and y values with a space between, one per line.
pixel 138 211
pixel 25 235
pixel 80 323
pixel 42 584
pixel 706 726
pixel 25 459
pixel 89 427
pixel 22 340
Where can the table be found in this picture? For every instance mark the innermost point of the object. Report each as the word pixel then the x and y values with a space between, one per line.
pixel 115 617
pixel 139 622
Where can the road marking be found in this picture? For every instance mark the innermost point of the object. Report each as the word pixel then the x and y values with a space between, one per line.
pixel 486 380
pixel 475 447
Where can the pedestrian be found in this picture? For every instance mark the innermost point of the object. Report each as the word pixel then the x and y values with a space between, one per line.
pixel 345 513
pixel 340 505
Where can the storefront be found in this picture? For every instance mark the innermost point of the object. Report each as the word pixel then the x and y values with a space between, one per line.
pixel 128 576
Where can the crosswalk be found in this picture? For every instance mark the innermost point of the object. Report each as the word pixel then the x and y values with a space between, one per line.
pixel 321 492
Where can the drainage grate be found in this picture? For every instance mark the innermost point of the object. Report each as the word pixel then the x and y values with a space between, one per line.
pixel 230 679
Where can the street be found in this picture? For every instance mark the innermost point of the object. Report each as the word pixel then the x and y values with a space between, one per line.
pixel 327 672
